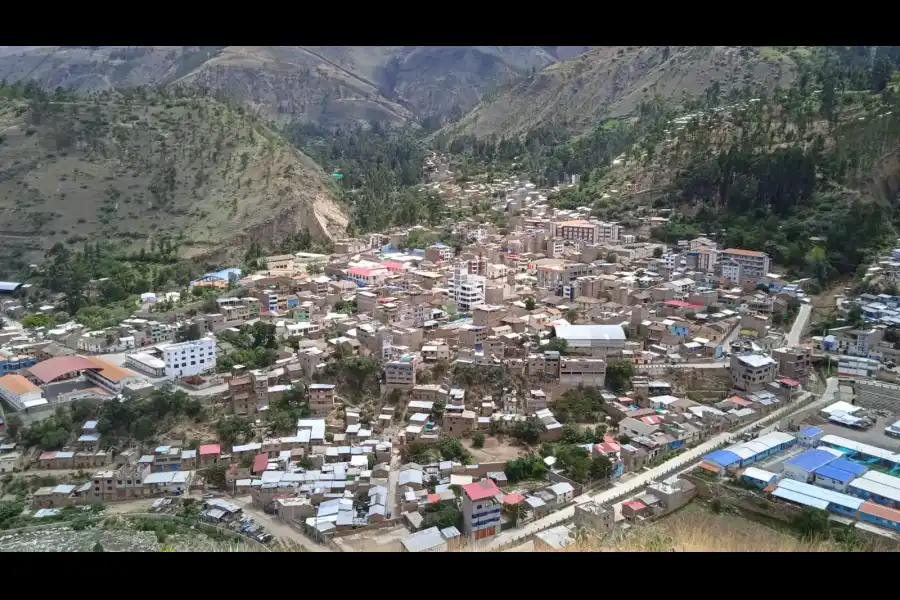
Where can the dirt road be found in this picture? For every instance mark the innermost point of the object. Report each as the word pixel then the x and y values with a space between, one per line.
pixel 277 527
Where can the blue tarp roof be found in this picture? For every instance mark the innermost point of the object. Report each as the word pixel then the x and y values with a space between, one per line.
pixel 723 458
pixel 811 431
pixel 811 459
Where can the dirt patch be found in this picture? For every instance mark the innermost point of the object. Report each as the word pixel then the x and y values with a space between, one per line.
pixel 494 449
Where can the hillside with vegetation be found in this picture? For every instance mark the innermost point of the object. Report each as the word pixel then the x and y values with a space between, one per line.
pixel 321 85
pixel 134 166
pixel 612 81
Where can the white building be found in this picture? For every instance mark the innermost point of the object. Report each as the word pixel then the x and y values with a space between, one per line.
pixel 731 270
pixel 187 359
pixel 753 264
pixel 466 290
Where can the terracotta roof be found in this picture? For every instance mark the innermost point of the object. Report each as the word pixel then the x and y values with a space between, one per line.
pixel 109 370
pixel 743 252
pixel 18 385
pixel 52 368
pixel 513 498
pixel 260 463
pixel 877 510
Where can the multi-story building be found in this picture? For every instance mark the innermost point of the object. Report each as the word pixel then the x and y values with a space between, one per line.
pixel 19 392
pixel 731 270
pixel 188 359
pixel 753 264
pixel 590 232
pixel 466 290
pixel 481 509
pixel 751 372
pixel 368 276
pixel 794 363
pixel 576 370
pixel 401 373
pixel 321 398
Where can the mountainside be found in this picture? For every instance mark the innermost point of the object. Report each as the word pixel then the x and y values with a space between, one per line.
pixel 324 85
pixel 611 81
pixel 127 167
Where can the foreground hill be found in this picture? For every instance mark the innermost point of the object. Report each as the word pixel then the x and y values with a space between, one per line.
pixel 326 85
pixel 611 81
pixel 127 167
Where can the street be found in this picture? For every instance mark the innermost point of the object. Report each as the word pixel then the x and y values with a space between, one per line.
pixel 685 461
pixel 793 338
pixel 277 527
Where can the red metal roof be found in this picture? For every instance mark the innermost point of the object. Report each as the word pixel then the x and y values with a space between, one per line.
pixel 634 504
pixel 48 370
pixel 682 304
pixel 481 489
pixel 207 449
pixel 432 498
pixel 788 382
pixel 260 463
pixel 47 456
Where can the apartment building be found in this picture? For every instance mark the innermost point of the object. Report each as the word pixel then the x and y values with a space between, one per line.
pixel 554 274
pixel 321 398
pixel 459 424
pixel 368 276
pixel 481 507
pixel 590 232
pixel 753 264
pixel 401 373
pixel 188 359
pixel 466 290
pixel 488 316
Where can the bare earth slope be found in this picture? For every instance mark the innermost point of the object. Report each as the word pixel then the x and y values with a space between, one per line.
pixel 611 81
pixel 123 169
pixel 328 85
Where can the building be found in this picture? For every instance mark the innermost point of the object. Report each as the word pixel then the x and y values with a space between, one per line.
pixel 467 291
pixel 427 540
pixel 481 507
pixel 321 398
pixel 838 474
pixel 19 392
pixel 589 232
pixel 752 372
pixel 188 359
pixel 594 516
pixel 754 265
pixel 576 370
pixel 794 363
pixel 592 340
pixel 804 466
pixel 401 373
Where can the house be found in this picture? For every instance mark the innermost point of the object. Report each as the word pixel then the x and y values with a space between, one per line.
pixel 563 492
pixel 481 507
pixel 427 540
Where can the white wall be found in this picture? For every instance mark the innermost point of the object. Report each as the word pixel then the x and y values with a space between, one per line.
pixel 190 358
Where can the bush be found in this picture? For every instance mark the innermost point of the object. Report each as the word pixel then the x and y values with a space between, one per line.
pixel 478 440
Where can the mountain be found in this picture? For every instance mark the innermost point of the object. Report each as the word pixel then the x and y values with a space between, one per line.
pixel 611 81
pixel 124 167
pixel 323 85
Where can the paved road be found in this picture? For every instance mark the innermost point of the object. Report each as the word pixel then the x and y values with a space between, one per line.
pixel 793 338
pixel 680 463
pixel 277 527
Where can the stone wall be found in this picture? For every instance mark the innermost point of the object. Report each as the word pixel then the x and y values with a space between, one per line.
pixel 878 395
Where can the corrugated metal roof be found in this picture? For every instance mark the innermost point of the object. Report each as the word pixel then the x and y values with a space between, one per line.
pixel 811 460
pixel 799 498
pixel 723 458
pixel 873 487
pixel 820 493
pixel 758 474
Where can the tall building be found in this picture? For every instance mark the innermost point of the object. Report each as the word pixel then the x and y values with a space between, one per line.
pixel 466 290
pixel 591 232
pixel 753 263
pixel 187 359
pixel 481 509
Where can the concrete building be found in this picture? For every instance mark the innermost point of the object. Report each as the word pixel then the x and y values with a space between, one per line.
pixel 321 398
pixel 466 290
pixel 753 264
pixel 20 393
pixel 188 359
pixel 592 340
pixel 481 507
pixel 794 363
pixel 576 370
pixel 752 372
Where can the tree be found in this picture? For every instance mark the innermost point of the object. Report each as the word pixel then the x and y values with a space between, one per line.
pixel 557 345
pixel 233 429
pixel 478 440
pixel 612 257
pixel 452 449
pixel 215 476
pixel 442 515
pixel 811 522
pixel 530 304
pixel 619 374
pixel 98 547
pixel 601 468
pixel 37 320
pixel 188 333
pixel 657 252
pixel 13 425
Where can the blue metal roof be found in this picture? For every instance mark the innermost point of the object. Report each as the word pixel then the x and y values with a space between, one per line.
pixel 834 473
pixel 811 460
pixel 849 466
pixel 9 286
pixel 811 431
pixel 723 458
